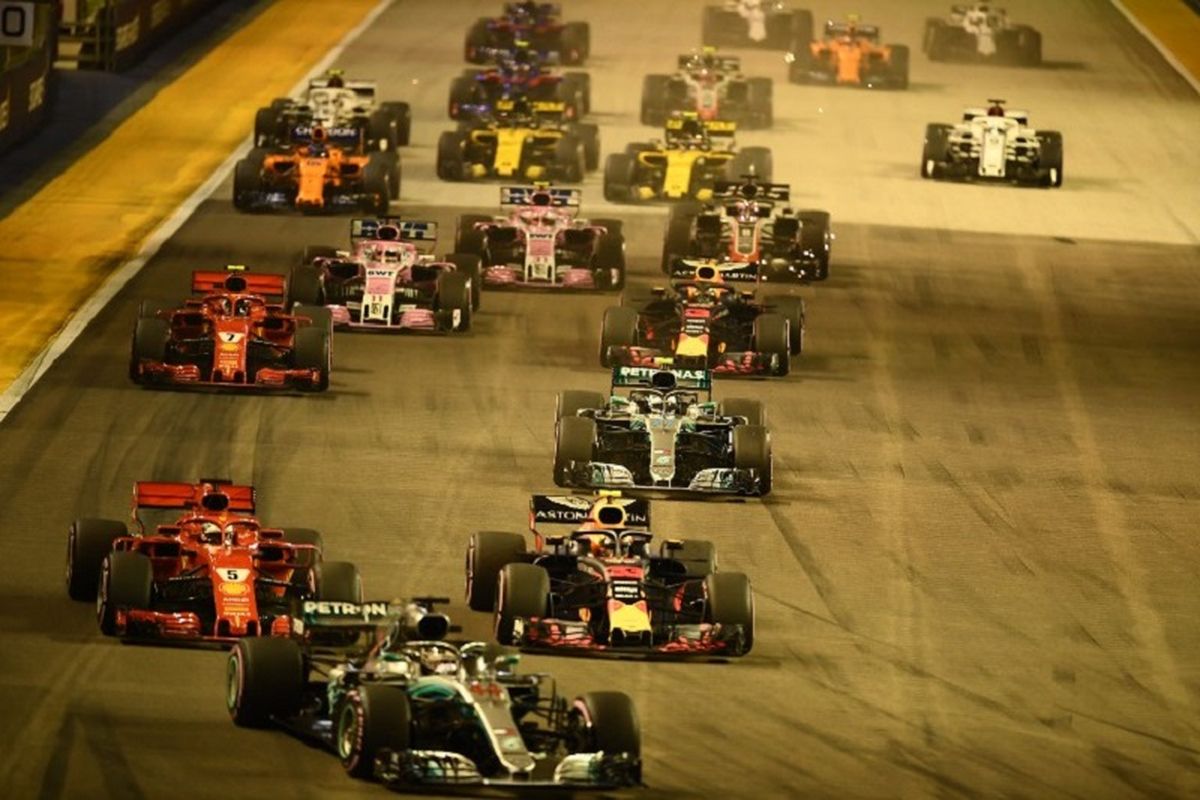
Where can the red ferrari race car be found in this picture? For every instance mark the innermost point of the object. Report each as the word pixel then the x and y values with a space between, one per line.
pixel 701 322
pixel 208 572
pixel 601 588
pixel 542 242
pixel 231 337
pixel 389 280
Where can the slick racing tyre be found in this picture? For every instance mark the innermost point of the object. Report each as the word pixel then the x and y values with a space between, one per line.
pixel 126 581
pixel 312 350
pixel 752 450
pixel 761 112
pixel 337 580
pixel 469 239
pixel 619 328
pixel 471 266
pixel 654 100
pixel 522 592
pixel 401 116
pixel 605 722
pixel 570 402
pixel 815 237
pixel 1050 159
pixel 677 242
pixel 304 282
pixel 618 177
pixel 450 163
pixel 487 554
pixel 150 335
pixel 898 66
pixel 306 536
pixel 377 185
pixel 247 183
pixel 575 439
pixel 751 410
pixel 771 336
pixel 370 719
pixel 576 43
pixel 264 678
pixel 88 543
pixel 731 602
pixel 609 261
pixel 454 300
pixel 266 127
pixel 933 154
pixel 570 159
pixel 589 135
pixel 792 308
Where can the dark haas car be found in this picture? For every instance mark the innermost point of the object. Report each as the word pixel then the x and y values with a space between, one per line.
pixel 850 54
pixel 665 434
pixel 983 33
pixel 748 228
pixel 518 73
pixel 232 337
pixel 209 574
pixel 769 24
pixel 331 101
pixel 701 322
pixel 543 243
pixel 378 685
pixel 389 280
pixel 602 588
pixel 539 24
pixel 713 87
pixel 520 139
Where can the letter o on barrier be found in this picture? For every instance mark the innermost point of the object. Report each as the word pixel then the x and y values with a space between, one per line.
pixel 16 24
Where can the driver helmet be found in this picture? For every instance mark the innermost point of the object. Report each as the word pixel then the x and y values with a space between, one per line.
pixel 210 532
pixel 438 661
pixel 995 110
pixel 599 545
pixel 335 79
pixel 243 307
pixel 219 305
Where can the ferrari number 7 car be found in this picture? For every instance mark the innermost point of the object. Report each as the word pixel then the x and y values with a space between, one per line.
pixel 602 588
pixel 666 433
pixel 208 572
pixel 231 337
pixel 379 685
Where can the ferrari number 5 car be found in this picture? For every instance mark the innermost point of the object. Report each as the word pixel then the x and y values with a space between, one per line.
pixel 603 588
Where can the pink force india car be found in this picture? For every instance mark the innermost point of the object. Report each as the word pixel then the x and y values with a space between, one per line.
pixel 389 280
pixel 541 242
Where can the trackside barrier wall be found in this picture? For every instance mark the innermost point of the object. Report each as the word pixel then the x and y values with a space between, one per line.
pixel 26 78
pixel 113 34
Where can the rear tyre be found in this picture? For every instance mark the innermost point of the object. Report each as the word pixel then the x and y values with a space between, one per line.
pixel 815 238
pixel 454 300
pixel 247 183
pixel 304 283
pixel 522 592
pixel 618 177
pixel 606 722
pixel 609 260
pixel 731 602
pixel 899 66
pixel 654 100
pixel 1051 158
pixel 337 581
pixel 698 556
pixel 470 265
pixel 370 719
pixel 126 581
pixel 771 336
pixel 575 439
pixel 619 328
pixel 450 163
pixel 264 678
pixel 761 102
pixel 377 188
pixel 469 239
pixel 401 115
pixel 589 134
pixel 576 43
pixel 89 541
pixel 488 553
pixel 792 309
pixel 678 239
pixel 752 450
pixel 266 127
pixel 313 351
pixel 570 159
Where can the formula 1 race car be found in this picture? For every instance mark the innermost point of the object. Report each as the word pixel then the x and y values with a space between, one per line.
pixel 519 73
pixel 210 573
pixel 389 280
pixel 540 24
pixel 231 337
pixel 521 139
pixel 542 242
pixel 702 323
pixel 377 684
pixel 993 144
pixel 849 55
pixel 755 23
pixel 693 156
pixel 334 102
pixel 982 32
pixel 751 234
pixel 601 588
pixel 665 434
pixel 324 170
pixel 713 87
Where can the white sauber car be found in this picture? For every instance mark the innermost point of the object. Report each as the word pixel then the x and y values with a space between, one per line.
pixel 995 144
pixel 982 32
pixel 331 101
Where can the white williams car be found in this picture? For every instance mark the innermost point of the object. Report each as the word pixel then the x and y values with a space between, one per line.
pixel 993 144
pixel 982 32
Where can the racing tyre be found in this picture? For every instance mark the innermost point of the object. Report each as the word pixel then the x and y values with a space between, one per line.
pixel 522 592
pixel 126 581
pixel 606 722
pixel 450 164
pixel 572 401
pixel 576 43
pixel 771 335
pixel 470 265
pixel 698 556
pixel 264 678
pixel 761 102
pixel 800 62
pixel 280 103
pixel 716 27
pixel 477 41
pixel 933 42
pixel 802 27
pixel 150 306
pixel 933 154
pixel 468 239
pixel 462 93
pixel 792 308
pixel 1051 157
pixel 613 227
pixel 619 329
pixel 654 100
pixel 304 283
pixel 266 127
pixel 488 553
pixel 752 410
pixel 618 177
pixel 393 166
pixel 731 602
pixel 678 240
pixel 370 719
pixel 609 260
pixel 578 87
pixel 377 189
pixel 247 183
pixel 589 134
pixel 88 542
pixel 816 238
pixel 401 116
pixel 313 351
pixel 381 131
pixel 574 440
pixel 318 316
pixel 755 161
pixel 150 336
pixel 570 159
pixel 454 299
pixel 309 537
pixel 752 450
pixel 899 66
pixel 338 581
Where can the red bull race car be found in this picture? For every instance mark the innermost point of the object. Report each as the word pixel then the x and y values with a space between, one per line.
pixel 602 588
pixel 232 336
pixel 205 571
pixel 541 242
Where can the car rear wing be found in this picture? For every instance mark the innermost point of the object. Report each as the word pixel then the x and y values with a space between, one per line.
pixel 393 229
pixel 869 32
pixel 416 617
pixel 751 190
pixel 571 509
pixel 364 90
pixel 714 127
pixel 684 270
pixel 339 135
pixel 236 279
pixel 664 378
pixel 554 197
pixel 687 61
pixel 542 107
pixel 543 9
pixel 157 494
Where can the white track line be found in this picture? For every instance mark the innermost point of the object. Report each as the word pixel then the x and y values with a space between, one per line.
pixel 115 282
pixel 1159 46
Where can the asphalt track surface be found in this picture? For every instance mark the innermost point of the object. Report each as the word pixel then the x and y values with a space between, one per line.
pixel 977 575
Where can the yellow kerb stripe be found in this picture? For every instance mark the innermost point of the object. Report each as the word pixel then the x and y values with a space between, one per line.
pixel 61 244
pixel 1175 25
